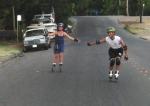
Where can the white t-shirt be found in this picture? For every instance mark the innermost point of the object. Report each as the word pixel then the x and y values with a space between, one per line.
pixel 115 44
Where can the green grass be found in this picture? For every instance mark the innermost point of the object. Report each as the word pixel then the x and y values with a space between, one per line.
pixel 133 30
pixel 127 27
pixel 9 48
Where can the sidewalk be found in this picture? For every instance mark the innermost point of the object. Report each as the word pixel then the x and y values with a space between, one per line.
pixel 143 28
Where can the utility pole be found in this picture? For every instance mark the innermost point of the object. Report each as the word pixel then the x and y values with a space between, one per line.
pixel 119 7
pixel 14 27
pixel 141 8
pixel 127 9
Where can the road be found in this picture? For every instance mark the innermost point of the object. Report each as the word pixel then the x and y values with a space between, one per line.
pixel 27 81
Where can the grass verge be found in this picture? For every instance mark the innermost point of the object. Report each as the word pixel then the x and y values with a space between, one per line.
pixel 134 30
pixel 9 48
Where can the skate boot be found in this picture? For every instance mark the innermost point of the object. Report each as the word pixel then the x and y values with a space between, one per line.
pixel 60 67
pixel 110 75
pixel 53 67
pixel 116 75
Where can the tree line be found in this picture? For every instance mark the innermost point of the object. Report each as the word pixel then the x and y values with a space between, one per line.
pixel 66 8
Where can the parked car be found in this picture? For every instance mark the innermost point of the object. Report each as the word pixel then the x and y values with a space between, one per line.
pixel 36 38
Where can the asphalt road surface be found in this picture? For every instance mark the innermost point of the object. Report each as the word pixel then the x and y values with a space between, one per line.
pixel 28 81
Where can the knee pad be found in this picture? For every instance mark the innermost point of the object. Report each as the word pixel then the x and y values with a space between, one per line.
pixel 118 61
pixel 112 62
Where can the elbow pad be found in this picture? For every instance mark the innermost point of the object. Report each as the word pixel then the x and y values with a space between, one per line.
pixel 125 47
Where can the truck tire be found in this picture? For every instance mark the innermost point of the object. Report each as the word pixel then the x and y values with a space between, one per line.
pixel 46 47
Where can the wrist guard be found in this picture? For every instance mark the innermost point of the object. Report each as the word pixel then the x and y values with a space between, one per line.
pixel 89 44
pixel 125 57
pixel 125 47
pixel 76 40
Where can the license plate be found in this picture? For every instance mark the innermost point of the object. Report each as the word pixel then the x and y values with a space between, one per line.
pixel 34 46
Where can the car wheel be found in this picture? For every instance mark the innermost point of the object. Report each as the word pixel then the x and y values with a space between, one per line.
pixel 25 49
pixel 46 47
pixel 49 45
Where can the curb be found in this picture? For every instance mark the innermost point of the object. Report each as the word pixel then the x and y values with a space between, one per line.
pixel 15 55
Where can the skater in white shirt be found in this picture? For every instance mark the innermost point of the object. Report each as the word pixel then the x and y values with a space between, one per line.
pixel 117 46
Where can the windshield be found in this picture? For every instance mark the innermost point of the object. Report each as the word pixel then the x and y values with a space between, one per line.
pixel 48 21
pixel 34 22
pixel 34 33
pixel 38 16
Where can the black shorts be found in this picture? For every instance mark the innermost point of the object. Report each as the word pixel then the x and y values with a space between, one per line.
pixel 113 53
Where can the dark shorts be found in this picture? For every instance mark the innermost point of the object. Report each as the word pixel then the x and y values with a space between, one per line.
pixel 113 53
pixel 58 48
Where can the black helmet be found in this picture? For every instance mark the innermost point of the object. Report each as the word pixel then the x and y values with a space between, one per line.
pixel 60 25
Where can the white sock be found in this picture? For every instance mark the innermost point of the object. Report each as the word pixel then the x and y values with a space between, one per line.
pixel 111 71
pixel 54 64
pixel 60 62
pixel 117 71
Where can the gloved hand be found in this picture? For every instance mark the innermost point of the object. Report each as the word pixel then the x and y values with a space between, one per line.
pixel 88 44
pixel 126 58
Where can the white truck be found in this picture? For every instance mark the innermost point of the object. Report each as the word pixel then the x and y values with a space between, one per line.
pixel 45 20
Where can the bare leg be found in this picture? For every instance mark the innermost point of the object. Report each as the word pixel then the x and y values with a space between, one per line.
pixel 111 67
pixel 61 57
pixel 55 58
pixel 54 62
pixel 117 67
pixel 60 61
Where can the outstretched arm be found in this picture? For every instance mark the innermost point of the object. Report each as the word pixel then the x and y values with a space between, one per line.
pixel 97 42
pixel 52 34
pixel 71 38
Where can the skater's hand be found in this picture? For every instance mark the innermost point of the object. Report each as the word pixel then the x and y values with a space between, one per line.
pixel 88 44
pixel 77 40
pixel 126 58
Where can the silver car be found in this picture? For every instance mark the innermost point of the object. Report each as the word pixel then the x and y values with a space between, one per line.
pixel 36 38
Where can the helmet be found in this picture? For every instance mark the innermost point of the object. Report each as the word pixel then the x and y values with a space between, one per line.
pixel 111 29
pixel 60 25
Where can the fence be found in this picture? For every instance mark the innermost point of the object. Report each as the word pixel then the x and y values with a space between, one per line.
pixel 7 35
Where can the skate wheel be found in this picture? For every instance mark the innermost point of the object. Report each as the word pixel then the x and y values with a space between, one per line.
pixel 110 78
pixel 116 79
pixel 52 70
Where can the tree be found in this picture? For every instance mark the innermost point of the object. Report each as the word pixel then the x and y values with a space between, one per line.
pixel 66 8
pixel 110 7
